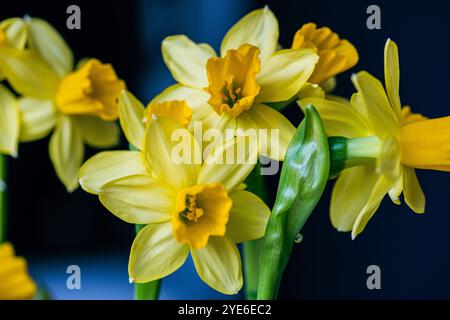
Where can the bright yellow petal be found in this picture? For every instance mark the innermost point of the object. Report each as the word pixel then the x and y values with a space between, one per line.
pixel 67 151
pixel 389 160
pixel 98 133
pixel 217 124
pixel 197 99
pixel 109 165
pixel 219 265
pixel 285 73
pixel 172 152
pixel 16 32
pixel 138 199
pixel 28 74
pixel 248 217
pixel 230 162
pixel 392 75
pixel 49 44
pixel 379 190
pixel 186 60
pixel 131 116
pixel 412 191
pixel 37 118
pixel 274 130
pixel 9 122
pixel 350 193
pixel 376 107
pixel 338 119
pixel 258 28
pixel 155 253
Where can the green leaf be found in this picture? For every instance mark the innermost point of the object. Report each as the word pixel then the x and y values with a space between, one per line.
pixel 303 179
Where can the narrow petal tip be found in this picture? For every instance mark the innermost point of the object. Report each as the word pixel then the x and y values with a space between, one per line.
pixel 130 280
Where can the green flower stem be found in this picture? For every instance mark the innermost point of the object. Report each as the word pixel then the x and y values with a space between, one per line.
pixel 251 249
pixel 149 290
pixel 3 209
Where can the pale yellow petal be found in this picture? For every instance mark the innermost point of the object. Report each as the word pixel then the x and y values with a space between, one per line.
pixel 274 131
pixel 186 60
pixel 9 122
pixel 412 191
pixel 37 117
pixel 338 119
pixel 376 107
pixel 49 44
pixel 379 190
pixel 214 129
pixel 67 151
pixel 28 74
pixel 392 75
pixel 350 194
pixel 219 265
pixel 109 165
pixel 98 133
pixel 285 73
pixel 197 99
pixel 131 115
pixel 172 152
pixel 155 253
pixel 138 199
pixel 248 217
pixel 258 28
pixel 230 162
pixel 16 32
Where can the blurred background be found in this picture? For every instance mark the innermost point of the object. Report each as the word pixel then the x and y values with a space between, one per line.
pixel 54 229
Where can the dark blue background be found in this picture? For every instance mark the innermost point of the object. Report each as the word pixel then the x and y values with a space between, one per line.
pixel 55 229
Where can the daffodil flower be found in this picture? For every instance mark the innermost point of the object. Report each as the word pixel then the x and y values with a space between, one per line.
pixel 187 207
pixel 229 92
pixel 78 105
pixel 397 139
pixel 335 55
pixel 15 283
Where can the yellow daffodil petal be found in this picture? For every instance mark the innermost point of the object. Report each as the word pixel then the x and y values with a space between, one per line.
pixel 98 133
pixel 274 130
pixel 389 160
pixel 220 124
pixel 338 119
pixel 412 191
pixel 155 253
pixel 15 32
pixel 380 189
pixel 219 265
pixel 392 75
pixel 177 110
pixel 258 28
pixel 138 199
pixel 186 60
pixel 131 116
pixel 311 90
pixel 66 151
pixel 49 44
pixel 285 73
pixel 108 166
pixel 376 107
pixel 350 193
pixel 37 118
pixel 230 162
pixel 395 192
pixel 197 99
pixel 172 152
pixel 28 74
pixel 248 217
pixel 9 122
pixel 410 117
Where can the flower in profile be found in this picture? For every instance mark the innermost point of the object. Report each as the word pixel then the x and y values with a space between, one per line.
pixel 188 207
pixel 15 283
pixel 230 91
pixel 335 55
pixel 397 140
pixel 78 105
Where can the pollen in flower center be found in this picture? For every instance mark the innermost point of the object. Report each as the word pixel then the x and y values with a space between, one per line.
pixel 91 90
pixel 200 211
pixel 232 80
